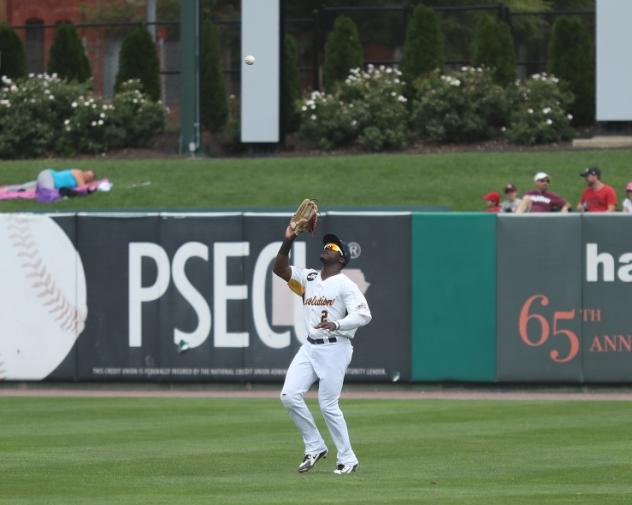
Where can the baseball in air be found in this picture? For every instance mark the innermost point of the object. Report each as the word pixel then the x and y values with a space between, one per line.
pixel 250 59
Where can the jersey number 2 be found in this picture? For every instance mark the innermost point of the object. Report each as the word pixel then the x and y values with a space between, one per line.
pixel 323 316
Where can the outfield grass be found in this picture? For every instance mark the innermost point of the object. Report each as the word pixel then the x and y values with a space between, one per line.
pixel 453 180
pixel 219 451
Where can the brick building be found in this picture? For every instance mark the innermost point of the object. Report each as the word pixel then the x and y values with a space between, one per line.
pixel 35 21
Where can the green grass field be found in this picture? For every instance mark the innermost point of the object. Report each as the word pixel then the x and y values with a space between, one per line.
pixel 453 180
pixel 64 451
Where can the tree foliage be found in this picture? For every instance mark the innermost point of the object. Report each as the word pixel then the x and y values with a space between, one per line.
pixel 423 48
pixel 138 59
pixel 343 51
pixel 213 100
pixel 493 47
pixel 292 85
pixel 67 57
pixel 571 58
pixel 12 59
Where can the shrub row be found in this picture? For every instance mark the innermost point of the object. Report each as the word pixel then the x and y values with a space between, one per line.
pixel 43 114
pixel 570 54
pixel 370 110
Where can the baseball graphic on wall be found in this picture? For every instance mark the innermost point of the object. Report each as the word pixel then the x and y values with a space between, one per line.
pixel 42 296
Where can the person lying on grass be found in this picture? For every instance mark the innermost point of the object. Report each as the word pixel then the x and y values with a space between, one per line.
pixel 49 178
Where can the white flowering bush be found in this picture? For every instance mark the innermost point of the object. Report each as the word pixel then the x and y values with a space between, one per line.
pixel 462 106
pixel 368 109
pixel 137 115
pixel 32 111
pixel 90 127
pixel 42 114
pixel 540 112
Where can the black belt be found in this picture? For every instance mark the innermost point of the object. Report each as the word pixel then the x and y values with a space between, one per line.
pixel 331 340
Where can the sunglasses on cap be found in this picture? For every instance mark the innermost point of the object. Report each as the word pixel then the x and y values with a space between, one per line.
pixel 333 247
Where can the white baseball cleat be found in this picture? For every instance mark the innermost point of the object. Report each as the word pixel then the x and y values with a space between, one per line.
pixel 310 460
pixel 345 469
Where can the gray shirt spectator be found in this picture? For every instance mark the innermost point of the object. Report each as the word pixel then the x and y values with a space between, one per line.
pixel 511 202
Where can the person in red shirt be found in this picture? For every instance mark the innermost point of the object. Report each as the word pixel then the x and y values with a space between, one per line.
pixel 541 199
pixel 493 201
pixel 597 197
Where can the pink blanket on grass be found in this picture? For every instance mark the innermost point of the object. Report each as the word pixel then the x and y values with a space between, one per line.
pixel 17 195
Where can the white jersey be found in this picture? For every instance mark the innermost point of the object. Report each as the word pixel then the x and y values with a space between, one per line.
pixel 331 299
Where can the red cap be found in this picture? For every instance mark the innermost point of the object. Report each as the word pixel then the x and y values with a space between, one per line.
pixel 494 196
pixel 510 188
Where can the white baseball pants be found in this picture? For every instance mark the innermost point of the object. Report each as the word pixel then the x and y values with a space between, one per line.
pixel 326 363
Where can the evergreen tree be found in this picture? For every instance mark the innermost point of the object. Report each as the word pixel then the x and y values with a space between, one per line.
pixel 213 101
pixel 343 51
pixel 423 48
pixel 12 59
pixel 493 47
pixel 292 85
pixel 138 59
pixel 571 59
pixel 67 57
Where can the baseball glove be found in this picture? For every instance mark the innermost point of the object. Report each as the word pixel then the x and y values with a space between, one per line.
pixel 306 217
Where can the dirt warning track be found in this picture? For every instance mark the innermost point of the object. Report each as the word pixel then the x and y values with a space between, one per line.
pixel 353 392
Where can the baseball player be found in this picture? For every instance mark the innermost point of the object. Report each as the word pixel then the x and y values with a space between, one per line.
pixel 334 308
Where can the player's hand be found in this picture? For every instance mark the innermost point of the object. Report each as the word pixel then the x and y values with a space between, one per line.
pixel 327 325
pixel 289 233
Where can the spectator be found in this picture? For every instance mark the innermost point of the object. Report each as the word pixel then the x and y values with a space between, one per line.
pixel 627 203
pixel 511 202
pixel 597 197
pixel 57 179
pixel 541 199
pixel 493 201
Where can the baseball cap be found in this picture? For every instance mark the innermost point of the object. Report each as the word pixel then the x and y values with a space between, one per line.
pixel 494 196
pixel 591 171
pixel 510 188
pixel 541 175
pixel 628 187
pixel 330 238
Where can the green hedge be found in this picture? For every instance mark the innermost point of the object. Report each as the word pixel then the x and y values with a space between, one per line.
pixel 67 57
pixel 44 115
pixel 12 60
pixel 423 47
pixel 493 47
pixel 571 58
pixel 291 85
pixel 139 60
pixel 213 100
pixel 343 52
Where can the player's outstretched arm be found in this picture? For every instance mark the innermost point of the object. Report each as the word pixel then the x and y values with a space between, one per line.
pixel 304 219
pixel 282 262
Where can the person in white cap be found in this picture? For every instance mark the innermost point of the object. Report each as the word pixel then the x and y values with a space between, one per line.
pixel 541 199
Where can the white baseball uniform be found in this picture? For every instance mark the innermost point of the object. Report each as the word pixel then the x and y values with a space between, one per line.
pixel 325 358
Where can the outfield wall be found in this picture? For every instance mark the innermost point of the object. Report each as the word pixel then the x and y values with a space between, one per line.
pixel 454 297
pixel 463 297
pixel 139 287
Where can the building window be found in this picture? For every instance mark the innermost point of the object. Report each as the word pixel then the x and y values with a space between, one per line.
pixel 35 46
